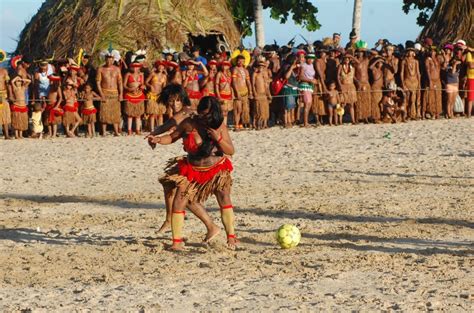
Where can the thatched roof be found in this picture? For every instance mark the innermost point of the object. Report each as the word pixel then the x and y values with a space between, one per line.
pixel 63 27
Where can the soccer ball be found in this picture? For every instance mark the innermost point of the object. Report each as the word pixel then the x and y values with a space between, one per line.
pixel 288 236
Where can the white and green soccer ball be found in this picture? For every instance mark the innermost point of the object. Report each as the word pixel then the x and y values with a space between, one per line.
pixel 288 236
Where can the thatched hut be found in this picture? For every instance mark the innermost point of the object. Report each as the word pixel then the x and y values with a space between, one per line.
pixel 63 27
pixel 451 20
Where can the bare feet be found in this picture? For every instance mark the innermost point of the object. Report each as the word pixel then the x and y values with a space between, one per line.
pixel 212 233
pixel 165 227
pixel 177 245
pixel 232 242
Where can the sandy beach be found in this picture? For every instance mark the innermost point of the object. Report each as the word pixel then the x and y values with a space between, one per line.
pixel 387 224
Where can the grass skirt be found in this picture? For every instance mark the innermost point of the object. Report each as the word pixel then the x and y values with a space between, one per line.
pixel 153 107
pixel 20 120
pixel 69 118
pixel 318 106
pixel 262 108
pixel 364 102
pixel 134 109
pixel 200 182
pixel 5 114
pixel 227 105
pixel 348 93
pixel 110 109
pixel 434 104
pixel 376 96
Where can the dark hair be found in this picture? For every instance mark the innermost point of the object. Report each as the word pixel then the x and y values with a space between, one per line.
pixel 290 59
pixel 240 57
pixel 174 90
pixel 214 120
pixel 215 113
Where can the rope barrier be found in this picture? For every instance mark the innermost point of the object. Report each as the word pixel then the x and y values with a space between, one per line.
pixel 277 96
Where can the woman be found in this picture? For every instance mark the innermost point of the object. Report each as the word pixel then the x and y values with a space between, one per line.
pixel 191 81
pixel 206 169
pixel 223 87
pixel 177 99
pixel 307 78
pixel 452 69
pixel 290 90
pixel 155 83
pixel 133 84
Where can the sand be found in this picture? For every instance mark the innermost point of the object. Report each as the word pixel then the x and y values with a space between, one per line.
pixel 387 224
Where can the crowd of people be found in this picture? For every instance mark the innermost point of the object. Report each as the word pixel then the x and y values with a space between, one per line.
pixel 321 83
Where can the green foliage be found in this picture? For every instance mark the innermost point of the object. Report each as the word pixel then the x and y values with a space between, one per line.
pixel 425 6
pixel 303 12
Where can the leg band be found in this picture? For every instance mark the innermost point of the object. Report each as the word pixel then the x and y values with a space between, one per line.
pixel 177 224
pixel 227 216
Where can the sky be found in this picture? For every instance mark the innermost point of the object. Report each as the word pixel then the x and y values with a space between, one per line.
pixel 380 19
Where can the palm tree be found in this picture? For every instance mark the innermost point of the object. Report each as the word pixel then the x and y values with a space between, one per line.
pixel 259 30
pixel 356 17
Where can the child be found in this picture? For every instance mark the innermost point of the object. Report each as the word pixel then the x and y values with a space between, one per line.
pixel 19 108
pixel 390 108
pixel 71 117
pixel 261 91
pixel 53 112
pixel 223 87
pixel 333 101
pixel 37 122
pixel 89 111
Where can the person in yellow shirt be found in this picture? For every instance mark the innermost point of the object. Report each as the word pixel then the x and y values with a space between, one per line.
pixel 470 80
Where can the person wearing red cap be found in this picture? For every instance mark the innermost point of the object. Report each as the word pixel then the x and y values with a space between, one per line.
pixel 155 83
pixel 208 83
pixel 110 87
pixel 74 78
pixel 174 73
pixel 5 114
pixel 133 84
pixel 52 114
pixel 411 82
pixel 19 107
pixel 191 81
pixel 224 89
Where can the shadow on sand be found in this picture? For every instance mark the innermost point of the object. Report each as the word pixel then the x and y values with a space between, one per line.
pixel 123 204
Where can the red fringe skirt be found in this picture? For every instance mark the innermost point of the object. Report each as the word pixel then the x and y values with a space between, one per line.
pixel 200 182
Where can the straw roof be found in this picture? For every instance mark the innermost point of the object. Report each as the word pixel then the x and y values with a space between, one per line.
pixel 63 27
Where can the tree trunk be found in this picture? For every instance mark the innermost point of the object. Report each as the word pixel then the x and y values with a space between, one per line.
pixel 259 30
pixel 450 21
pixel 356 17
